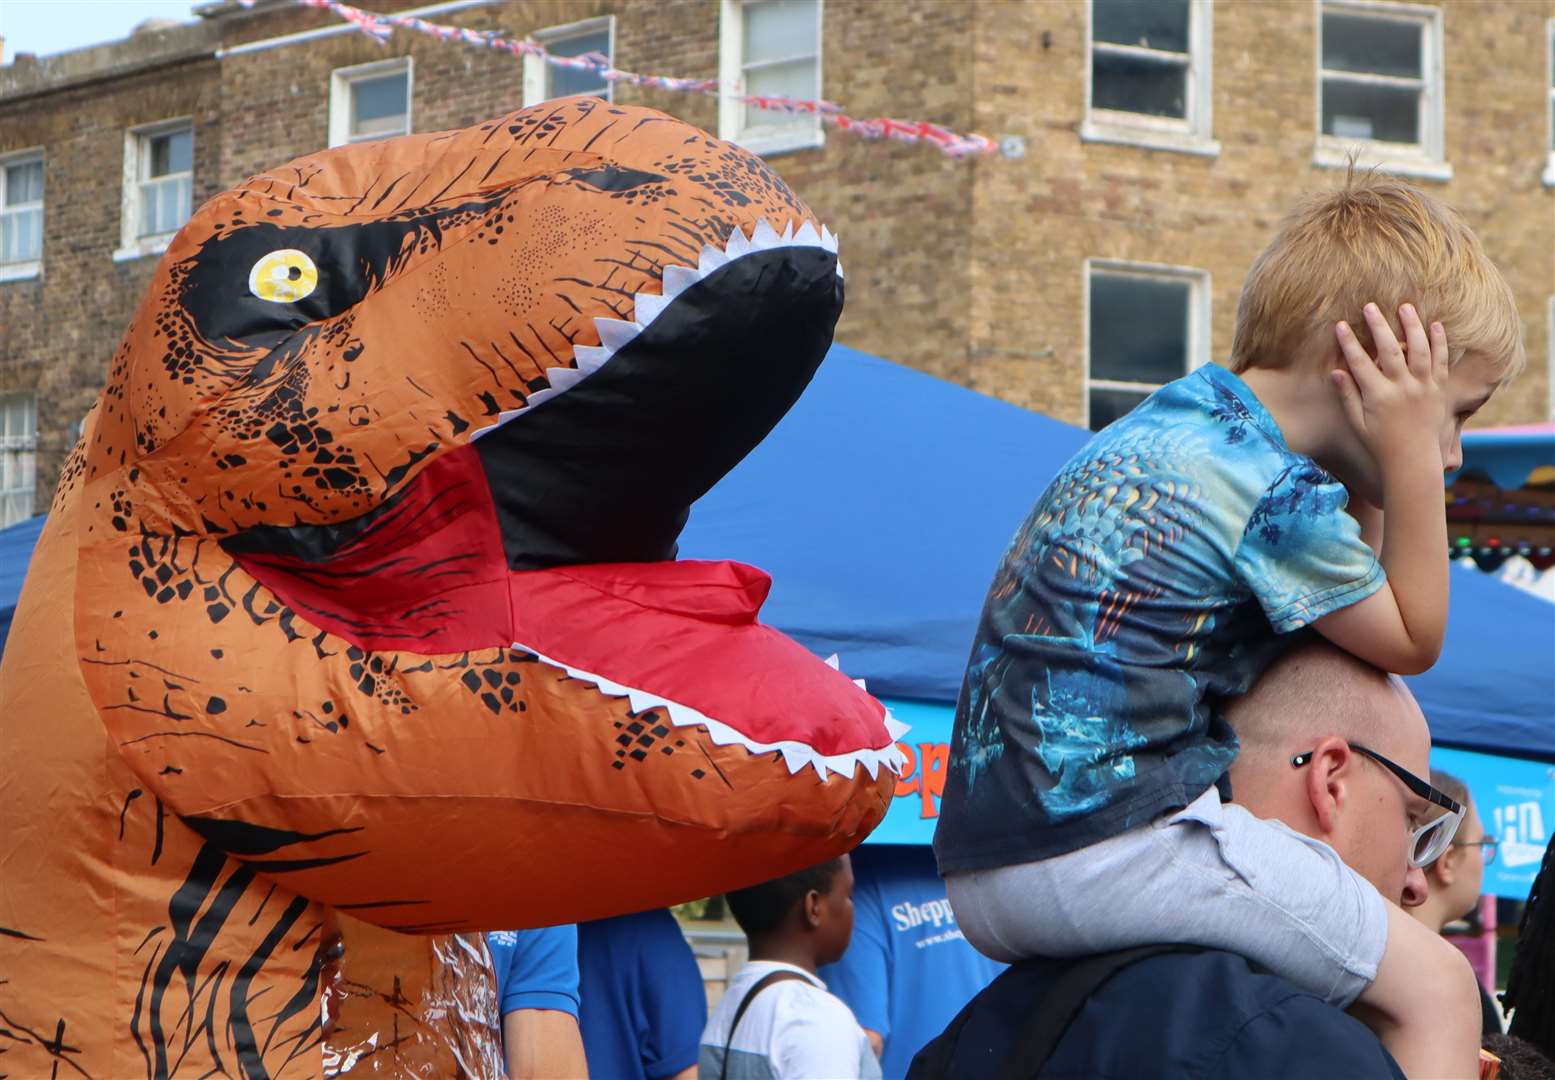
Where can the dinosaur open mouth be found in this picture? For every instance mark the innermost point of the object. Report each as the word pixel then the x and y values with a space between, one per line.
pixel 553 530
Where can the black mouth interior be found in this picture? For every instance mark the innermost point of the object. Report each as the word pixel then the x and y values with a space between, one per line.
pixel 608 470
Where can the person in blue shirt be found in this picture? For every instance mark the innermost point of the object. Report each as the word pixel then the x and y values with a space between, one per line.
pixel 908 969
pixel 537 996
pixel 643 1003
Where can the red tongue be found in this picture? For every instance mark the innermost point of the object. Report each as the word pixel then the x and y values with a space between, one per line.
pixel 430 576
pixel 687 632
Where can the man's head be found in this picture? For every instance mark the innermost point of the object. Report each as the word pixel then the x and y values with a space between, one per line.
pixel 1313 707
pixel 808 913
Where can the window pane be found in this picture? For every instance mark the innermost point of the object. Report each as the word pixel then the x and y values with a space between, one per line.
pixel 779 29
pixel 794 80
pixel 567 82
pixel 378 105
pixel 171 153
pixel 1108 405
pixel 1375 46
pixel 1137 85
pixel 1359 111
pixel 148 210
pixel 21 235
pixel 24 183
pixel 1139 328
pixel 1153 24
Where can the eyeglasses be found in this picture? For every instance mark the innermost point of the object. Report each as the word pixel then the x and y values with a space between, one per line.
pixel 1427 842
pixel 1487 847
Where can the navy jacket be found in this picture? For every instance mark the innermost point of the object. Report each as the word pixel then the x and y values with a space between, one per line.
pixel 1179 1016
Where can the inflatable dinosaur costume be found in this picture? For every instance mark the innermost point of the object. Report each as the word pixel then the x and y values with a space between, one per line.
pixel 356 624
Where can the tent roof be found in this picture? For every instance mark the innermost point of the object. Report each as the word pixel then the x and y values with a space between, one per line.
pixel 1508 455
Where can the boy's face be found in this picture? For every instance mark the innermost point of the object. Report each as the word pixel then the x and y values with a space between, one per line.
pixel 835 927
pixel 1470 384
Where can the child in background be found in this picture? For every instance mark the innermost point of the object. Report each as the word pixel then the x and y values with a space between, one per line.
pixel 776 1021
pixel 1170 561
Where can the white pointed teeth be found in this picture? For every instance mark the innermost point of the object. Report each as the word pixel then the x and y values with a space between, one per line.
pixel 738 244
pixel 646 307
pixel 677 279
pixel 564 378
pixel 796 755
pixel 834 662
pixel 765 236
pixel 711 259
pixel 591 358
pixel 894 727
pixel 807 236
pixel 828 240
pixel 614 334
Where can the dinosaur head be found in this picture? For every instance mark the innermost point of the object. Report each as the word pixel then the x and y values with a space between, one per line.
pixel 415 426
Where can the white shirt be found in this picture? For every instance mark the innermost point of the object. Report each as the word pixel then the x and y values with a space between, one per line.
pixel 792 1030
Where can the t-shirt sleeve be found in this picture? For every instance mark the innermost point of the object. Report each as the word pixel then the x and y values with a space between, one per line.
pixel 862 978
pixel 674 1002
pixel 1301 555
pixel 1309 1040
pixel 540 969
pixel 814 1035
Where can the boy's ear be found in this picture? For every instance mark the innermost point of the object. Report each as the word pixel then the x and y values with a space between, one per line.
pixel 810 909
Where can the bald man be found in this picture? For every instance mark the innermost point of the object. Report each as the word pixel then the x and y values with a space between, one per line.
pixel 1336 751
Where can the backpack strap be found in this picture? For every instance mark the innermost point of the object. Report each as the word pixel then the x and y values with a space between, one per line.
pixel 750 995
pixel 1065 998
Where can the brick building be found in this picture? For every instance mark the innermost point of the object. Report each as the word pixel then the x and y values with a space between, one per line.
pixel 1151 150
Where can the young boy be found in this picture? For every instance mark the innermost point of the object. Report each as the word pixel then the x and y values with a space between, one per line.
pixel 1165 567
pixel 776 1019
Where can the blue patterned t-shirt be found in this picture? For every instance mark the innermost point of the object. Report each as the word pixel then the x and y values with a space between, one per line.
pixel 1154 578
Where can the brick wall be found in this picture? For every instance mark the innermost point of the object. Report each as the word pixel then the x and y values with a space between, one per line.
pixel 972 270
pixel 1037 220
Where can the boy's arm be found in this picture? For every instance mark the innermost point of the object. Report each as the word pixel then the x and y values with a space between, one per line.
pixel 1395 404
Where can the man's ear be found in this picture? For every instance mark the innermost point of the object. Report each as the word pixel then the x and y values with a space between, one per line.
pixel 1329 776
pixel 810 909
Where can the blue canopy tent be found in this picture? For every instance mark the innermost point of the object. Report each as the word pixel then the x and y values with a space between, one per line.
pixel 16 544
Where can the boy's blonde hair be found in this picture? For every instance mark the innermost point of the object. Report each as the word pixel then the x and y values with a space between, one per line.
pixel 1374 240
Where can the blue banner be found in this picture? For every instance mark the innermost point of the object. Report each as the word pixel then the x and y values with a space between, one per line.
pixel 1516 803
pixel 1515 798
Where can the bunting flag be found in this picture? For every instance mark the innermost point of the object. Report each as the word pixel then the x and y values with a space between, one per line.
pixel 381 27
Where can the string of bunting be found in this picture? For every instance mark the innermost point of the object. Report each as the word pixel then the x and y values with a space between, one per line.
pixel 382 27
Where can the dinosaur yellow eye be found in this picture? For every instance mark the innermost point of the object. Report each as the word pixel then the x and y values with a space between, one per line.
pixel 283 277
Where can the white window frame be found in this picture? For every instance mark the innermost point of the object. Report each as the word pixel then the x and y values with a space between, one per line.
pixel 1199 348
pixel 805 132
pixel 1549 121
pixel 1427 159
pixel 23 445
pixel 136 142
pixel 340 81
pixel 1192 135
pixel 29 268
pixel 537 71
